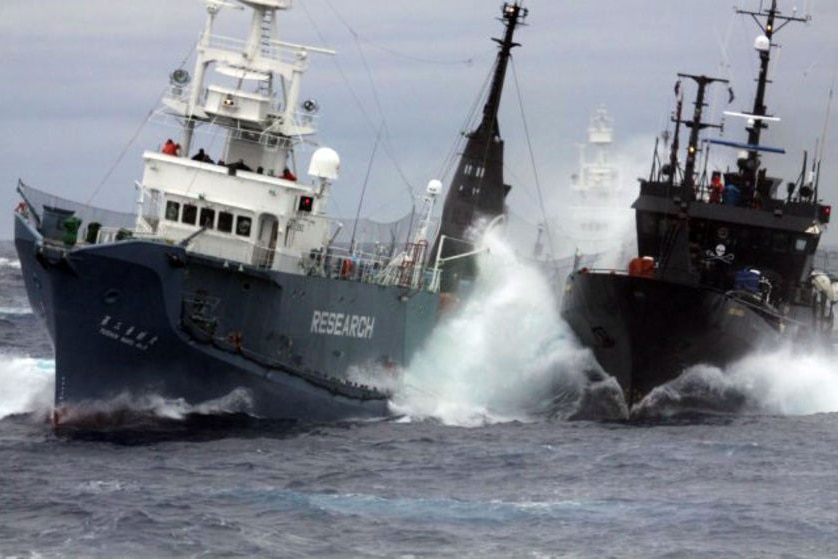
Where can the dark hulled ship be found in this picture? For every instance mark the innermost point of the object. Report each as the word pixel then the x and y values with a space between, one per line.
pixel 477 193
pixel 225 285
pixel 228 285
pixel 724 263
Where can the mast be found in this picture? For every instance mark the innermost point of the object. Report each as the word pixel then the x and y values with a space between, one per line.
pixel 696 125
pixel 257 99
pixel 200 70
pixel 676 118
pixel 512 14
pixel 763 46
pixel 477 190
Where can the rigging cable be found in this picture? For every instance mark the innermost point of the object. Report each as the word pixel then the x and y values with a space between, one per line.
pixel 364 189
pixel 819 149
pixel 466 129
pixel 118 159
pixel 532 156
pixel 388 145
pixel 125 148
pixel 344 78
pixel 464 61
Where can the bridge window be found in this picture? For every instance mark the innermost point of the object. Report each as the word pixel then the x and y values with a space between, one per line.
pixel 780 242
pixel 225 222
pixel 190 214
pixel 243 226
pixel 172 210
pixel 800 244
pixel 207 218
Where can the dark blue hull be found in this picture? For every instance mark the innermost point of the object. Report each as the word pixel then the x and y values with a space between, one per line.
pixel 138 318
pixel 645 332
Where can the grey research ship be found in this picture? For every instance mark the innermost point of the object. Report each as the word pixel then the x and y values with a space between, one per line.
pixel 226 280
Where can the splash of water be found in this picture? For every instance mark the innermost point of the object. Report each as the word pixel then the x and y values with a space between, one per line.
pixel 28 386
pixel 503 354
pixel 127 410
pixel 789 380
pixel 785 380
pixel 13 263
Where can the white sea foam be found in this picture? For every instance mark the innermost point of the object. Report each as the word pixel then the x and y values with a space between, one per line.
pixel 27 385
pixel 9 263
pixel 128 410
pixel 15 311
pixel 783 380
pixel 503 355
pixel 789 380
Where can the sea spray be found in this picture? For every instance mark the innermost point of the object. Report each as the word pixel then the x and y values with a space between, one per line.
pixel 27 386
pixel 503 354
pixel 789 380
pixel 783 380
pixel 128 410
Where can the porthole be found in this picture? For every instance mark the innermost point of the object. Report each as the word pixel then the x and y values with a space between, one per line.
pixel 111 296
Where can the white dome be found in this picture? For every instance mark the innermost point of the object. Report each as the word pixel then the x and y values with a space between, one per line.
pixel 325 164
pixel 434 187
pixel 762 43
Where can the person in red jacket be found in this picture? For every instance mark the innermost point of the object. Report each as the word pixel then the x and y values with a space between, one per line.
pixel 717 188
pixel 170 148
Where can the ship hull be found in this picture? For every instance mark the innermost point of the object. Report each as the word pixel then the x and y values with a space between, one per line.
pixel 645 332
pixel 139 318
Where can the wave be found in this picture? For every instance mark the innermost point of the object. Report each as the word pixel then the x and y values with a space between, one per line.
pixel 503 354
pixel 9 263
pixel 133 411
pixel 29 390
pixel 15 311
pixel 28 385
pixel 785 380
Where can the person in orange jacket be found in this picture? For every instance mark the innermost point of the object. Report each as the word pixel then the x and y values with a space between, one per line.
pixel 170 148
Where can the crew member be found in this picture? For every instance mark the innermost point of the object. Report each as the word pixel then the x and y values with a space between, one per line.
pixel 239 165
pixel 170 148
pixel 717 188
pixel 202 156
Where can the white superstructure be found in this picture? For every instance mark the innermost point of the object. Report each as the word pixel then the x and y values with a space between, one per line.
pixel 596 215
pixel 242 201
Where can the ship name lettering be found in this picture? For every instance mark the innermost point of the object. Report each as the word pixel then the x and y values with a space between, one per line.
pixel 341 324
pixel 107 333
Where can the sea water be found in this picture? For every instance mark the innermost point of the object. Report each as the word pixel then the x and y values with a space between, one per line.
pixel 479 463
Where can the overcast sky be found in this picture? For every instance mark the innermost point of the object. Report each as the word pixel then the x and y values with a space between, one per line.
pixel 79 78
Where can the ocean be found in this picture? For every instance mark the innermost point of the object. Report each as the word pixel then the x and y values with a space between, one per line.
pixel 474 466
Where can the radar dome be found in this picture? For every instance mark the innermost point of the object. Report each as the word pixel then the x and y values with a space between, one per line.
pixel 434 187
pixel 762 43
pixel 325 163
